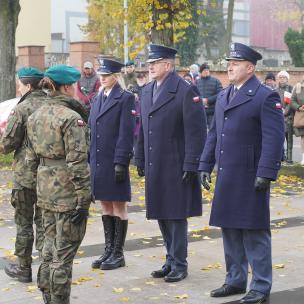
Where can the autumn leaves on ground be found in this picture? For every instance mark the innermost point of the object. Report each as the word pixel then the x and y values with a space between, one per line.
pixel 145 253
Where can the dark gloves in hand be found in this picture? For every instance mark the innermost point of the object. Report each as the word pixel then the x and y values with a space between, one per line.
pixel 140 171
pixel 262 183
pixel 205 180
pixel 120 173
pixel 189 176
pixel 79 215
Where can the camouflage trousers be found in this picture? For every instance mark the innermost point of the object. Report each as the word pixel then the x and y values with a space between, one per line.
pixel 62 240
pixel 24 201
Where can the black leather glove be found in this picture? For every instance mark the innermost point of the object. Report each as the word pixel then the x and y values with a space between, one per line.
pixel 205 179
pixel 79 215
pixel 140 171
pixel 262 183
pixel 120 173
pixel 188 176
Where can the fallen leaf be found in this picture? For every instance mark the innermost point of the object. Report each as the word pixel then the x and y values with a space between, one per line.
pixel 183 296
pixel 118 290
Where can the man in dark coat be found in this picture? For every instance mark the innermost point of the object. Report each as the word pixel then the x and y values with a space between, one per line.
pixel 171 138
pixel 209 87
pixel 246 141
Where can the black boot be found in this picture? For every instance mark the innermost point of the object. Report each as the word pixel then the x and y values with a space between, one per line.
pixel 109 232
pixel 46 297
pixel 117 258
pixel 22 273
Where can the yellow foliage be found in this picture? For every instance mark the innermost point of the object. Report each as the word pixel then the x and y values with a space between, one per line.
pixel 106 22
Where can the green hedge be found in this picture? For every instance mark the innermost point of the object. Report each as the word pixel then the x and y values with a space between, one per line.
pixel 6 160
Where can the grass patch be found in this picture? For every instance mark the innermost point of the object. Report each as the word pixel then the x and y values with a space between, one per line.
pixel 6 160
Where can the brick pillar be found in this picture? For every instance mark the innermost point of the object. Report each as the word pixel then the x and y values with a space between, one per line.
pixel 83 51
pixel 31 56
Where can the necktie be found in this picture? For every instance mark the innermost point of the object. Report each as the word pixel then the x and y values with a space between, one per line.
pixel 104 98
pixel 233 91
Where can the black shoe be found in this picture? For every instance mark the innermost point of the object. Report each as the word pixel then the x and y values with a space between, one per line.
pixel 254 296
pixel 46 297
pixel 109 232
pixel 175 276
pixel 23 274
pixel 117 258
pixel 226 290
pixel 161 273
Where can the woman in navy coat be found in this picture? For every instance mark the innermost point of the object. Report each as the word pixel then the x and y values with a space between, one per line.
pixel 112 121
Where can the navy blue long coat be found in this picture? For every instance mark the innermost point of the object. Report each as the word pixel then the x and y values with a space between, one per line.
pixel 112 124
pixel 245 140
pixel 171 139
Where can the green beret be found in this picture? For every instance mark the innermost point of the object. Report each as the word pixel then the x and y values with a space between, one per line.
pixel 29 72
pixel 130 62
pixel 63 74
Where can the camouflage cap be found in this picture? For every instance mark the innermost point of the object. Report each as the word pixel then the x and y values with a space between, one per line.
pixel 63 74
pixel 29 72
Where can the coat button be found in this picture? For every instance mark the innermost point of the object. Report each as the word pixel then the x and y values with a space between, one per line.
pixel 221 169
pixel 98 136
pixel 223 134
pixel 150 164
pixel 226 118
pixel 97 165
pixel 150 116
pixel 150 132
pixel 222 151
pixel 97 123
pixel 150 148
pixel 98 150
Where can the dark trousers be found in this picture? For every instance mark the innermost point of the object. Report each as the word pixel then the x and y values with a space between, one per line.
pixel 209 120
pixel 174 233
pixel 243 247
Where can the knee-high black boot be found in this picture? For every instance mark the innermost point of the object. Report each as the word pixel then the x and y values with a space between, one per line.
pixel 109 232
pixel 117 258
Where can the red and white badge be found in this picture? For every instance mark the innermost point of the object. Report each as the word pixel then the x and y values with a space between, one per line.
pixel 133 112
pixel 196 99
pixel 80 123
pixel 278 106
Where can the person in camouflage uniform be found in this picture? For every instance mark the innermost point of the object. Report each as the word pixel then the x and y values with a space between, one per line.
pixel 23 196
pixel 58 137
pixel 283 87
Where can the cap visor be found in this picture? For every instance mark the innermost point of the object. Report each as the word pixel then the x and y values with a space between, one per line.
pixel 103 73
pixel 236 59
pixel 154 59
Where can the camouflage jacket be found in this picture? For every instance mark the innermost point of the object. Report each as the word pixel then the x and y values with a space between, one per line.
pixel 58 137
pixel 14 138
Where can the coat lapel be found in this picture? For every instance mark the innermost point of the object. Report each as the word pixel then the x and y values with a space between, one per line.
pixel 112 100
pixel 168 92
pixel 224 96
pixel 245 94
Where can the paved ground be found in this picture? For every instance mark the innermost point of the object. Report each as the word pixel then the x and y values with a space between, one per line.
pixel 144 253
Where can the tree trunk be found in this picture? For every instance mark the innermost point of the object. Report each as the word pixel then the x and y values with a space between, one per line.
pixel 9 11
pixel 229 25
pixel 164 35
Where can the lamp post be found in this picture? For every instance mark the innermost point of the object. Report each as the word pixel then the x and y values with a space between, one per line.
pixel 126 50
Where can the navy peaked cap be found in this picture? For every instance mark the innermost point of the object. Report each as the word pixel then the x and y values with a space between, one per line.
pixel 109 66
pixel 239 51
pixel 158 52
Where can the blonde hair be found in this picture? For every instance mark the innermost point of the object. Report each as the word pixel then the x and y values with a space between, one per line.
pixel 120 80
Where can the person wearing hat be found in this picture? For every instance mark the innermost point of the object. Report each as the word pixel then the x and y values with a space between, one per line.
pixel 246 141
pixel 88 85
pixel 285 89
pixel 270 81
pixel 130 75
pixel 112 122
pixel 58 146
pixel 23 197
pixel 170 141
pixel 209 87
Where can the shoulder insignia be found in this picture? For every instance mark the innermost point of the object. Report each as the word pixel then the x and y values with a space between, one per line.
pixel 196 99
pixel 278 106
pixel 133 112
pixel 80 123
